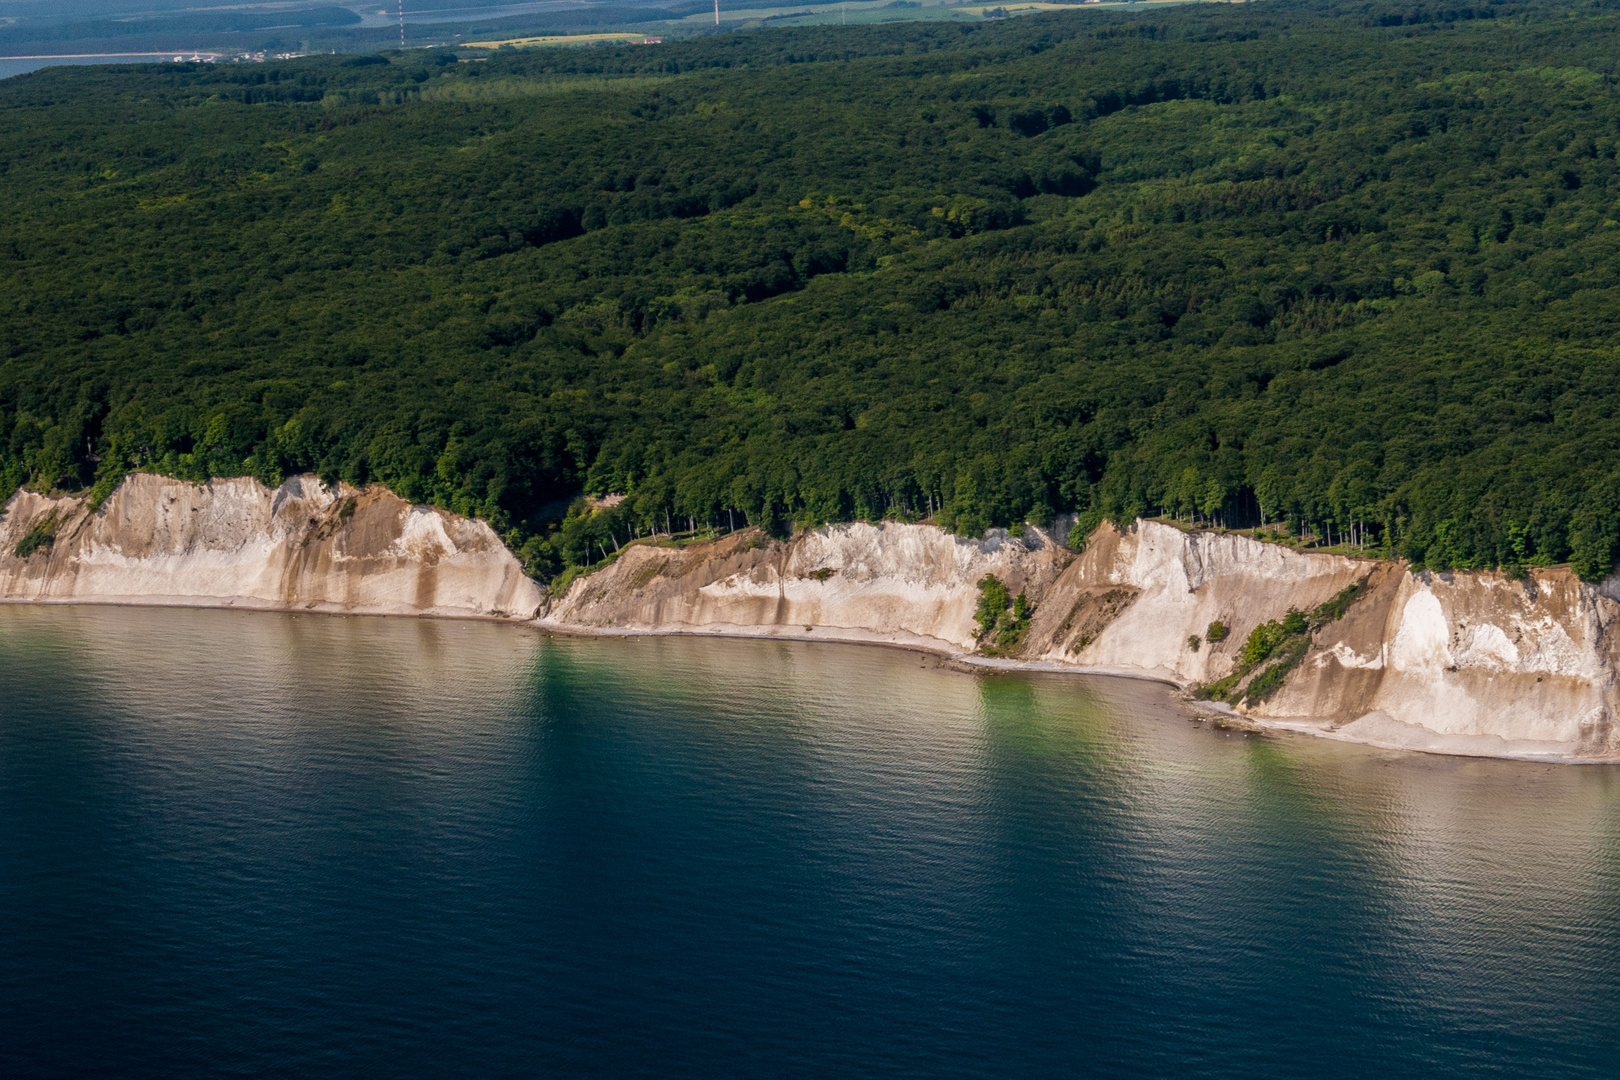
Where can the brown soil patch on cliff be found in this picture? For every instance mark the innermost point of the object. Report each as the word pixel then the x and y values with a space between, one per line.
pixel 1090 614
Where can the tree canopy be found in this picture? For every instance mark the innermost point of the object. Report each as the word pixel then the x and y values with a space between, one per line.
pixel 1337 264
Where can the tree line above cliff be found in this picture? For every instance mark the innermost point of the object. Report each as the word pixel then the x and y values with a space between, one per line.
pixel 1344 266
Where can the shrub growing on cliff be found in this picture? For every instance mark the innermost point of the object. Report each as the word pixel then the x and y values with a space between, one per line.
pixel 1002 618
pixel 1287 640
pixel 1334 609
pixel 1014 623
pixel 1291 635
pixel 1263 639
pixel 42 535
pixel 993 601
pixel 1217 632
pixel 1269 681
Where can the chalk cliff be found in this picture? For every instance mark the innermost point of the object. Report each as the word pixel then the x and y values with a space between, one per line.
pixel 1130 603
pixel 891 583
pixel 1463 662
pixel 1467 662
pixel 236 543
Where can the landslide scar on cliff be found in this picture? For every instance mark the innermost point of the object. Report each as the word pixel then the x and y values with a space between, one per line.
pixel 1091 614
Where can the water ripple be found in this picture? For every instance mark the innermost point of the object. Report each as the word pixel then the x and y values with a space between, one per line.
pixel 244 843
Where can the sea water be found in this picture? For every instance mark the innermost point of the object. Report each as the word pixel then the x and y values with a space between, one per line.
pixel 237 843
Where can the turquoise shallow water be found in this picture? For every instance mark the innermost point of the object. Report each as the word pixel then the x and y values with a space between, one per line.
pixel 245 843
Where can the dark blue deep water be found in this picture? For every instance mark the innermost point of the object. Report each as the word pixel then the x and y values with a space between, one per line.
pixel 237 844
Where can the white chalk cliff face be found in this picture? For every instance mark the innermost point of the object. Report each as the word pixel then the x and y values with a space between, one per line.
pixel 236 543
pixel 891 583
pixel 1130 603
pixel 1474 658
pixel 1464 663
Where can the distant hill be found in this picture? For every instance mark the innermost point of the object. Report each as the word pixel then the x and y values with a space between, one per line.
pixel 177 26
pixel 83 26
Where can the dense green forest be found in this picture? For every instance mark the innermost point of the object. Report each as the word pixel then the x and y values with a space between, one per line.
pixel 1350 266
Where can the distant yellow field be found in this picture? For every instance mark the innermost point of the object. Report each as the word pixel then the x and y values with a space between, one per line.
pixel 556 39
pixel 822 13
pixel 982 8
pixel 1041 5
pixel 834 12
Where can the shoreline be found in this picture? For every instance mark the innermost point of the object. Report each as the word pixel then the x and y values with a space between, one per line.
pixel 1488 747
pixel 1220 714
pixel 256 607
pixel 968 663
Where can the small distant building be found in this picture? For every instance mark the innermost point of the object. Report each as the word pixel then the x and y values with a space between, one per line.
pixel 652 41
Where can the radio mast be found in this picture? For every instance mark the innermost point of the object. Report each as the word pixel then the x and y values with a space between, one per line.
pixel 402 22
